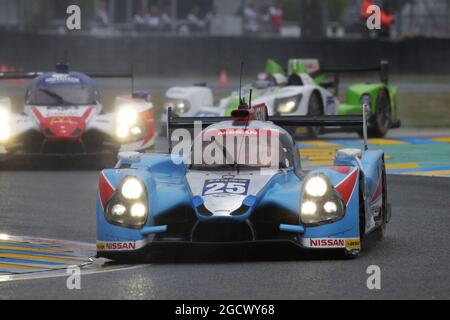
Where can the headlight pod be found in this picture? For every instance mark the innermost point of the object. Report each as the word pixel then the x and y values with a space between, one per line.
pixel 127 116
pixel 128 126
pixel 321 203
pixel 132 188
pixel 5 132
pixel 128 206
pixel 287 105
pixel 178 106
pixel 316 186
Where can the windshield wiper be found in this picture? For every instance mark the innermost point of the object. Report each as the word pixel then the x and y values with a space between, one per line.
pixel 58 97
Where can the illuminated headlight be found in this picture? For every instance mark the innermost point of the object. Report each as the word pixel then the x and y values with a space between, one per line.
pixel 321 203
pixel 330 207
pixel 4 116
pixel 316 186
pixel 287 105
pixel 5 132
pixel 132 189
pixel 136 131
pixel 178 105
pixel 118 210
pixel 127 117
pixel 122 132
pixel 309 208
pixel 128 206
pixel 129 127
pixel 138 210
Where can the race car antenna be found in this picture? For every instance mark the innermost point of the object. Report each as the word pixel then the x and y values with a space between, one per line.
pixel 240 82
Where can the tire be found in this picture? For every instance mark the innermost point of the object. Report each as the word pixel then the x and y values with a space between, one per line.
pixel 381 120
pixel 315 108
pixel 380 232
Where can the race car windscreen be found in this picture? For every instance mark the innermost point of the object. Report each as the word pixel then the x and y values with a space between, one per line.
pixel 248 151
pixel 61 95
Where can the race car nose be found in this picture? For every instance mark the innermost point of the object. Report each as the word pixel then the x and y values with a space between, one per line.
pixel 62 132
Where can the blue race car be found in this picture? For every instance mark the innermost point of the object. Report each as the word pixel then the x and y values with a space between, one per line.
pixel 150 200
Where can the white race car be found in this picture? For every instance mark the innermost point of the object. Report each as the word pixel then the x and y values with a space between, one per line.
pixel 63 115
pixel 303 91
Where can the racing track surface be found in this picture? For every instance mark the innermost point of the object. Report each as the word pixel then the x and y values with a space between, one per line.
pixel 414 257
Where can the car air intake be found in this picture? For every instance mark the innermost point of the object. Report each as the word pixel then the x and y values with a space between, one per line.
pixel 222 231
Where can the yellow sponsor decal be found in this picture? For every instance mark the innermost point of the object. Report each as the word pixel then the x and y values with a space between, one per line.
pixel 101 246
pixel 352 244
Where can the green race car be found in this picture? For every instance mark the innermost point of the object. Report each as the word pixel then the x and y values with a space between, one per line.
pixel 303 90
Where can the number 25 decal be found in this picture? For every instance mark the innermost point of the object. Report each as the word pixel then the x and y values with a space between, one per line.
pixel 233 187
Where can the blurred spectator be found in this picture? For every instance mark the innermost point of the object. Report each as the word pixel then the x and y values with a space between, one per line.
pixel 101 14
pixel 250 16
pixel 265 17
pixel 209 17
pixel 276 16
pixel 139 20
pixel 195 23
pixel 153 19
pixel 166 18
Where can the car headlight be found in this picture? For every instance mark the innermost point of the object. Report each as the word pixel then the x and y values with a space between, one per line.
pixel 321 203
pixel 5 132
pixel 316 186
pixel 287 105
pixel 128 206
pixel 132 189
pixel 128 126
pixel 178 105
pixel 127 116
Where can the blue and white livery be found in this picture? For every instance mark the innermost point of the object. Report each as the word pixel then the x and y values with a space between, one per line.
pixel 153 199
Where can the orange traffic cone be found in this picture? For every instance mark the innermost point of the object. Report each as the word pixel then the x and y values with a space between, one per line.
pixel 223 78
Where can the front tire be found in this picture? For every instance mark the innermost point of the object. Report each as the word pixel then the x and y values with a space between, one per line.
pixel 381 120
pixel 380 232
pixel 315 108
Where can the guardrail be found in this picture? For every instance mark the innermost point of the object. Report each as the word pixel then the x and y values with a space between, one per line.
pixel 174 56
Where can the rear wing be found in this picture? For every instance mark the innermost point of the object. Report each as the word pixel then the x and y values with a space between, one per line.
pixel 175 122
pixel 32 75
pixel 382 69
pixel 357 121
